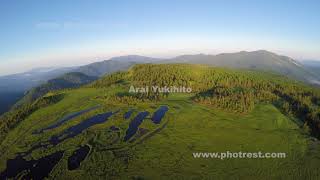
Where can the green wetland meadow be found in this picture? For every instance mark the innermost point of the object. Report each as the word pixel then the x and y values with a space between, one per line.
pixel 88 129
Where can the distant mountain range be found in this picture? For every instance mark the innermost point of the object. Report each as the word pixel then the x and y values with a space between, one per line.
pixel 313 65
pixel 26 80
pixel 13 87
pixel 68 80
pixel 29 79
pixel 40 78
pixel 114 64
pixel 257 60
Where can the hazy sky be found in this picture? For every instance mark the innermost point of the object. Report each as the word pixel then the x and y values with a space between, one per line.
pixel 73 32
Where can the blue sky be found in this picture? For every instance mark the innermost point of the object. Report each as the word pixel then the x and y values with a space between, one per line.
pixel 66 33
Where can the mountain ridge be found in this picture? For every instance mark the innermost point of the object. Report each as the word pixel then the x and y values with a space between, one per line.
pixel 258 60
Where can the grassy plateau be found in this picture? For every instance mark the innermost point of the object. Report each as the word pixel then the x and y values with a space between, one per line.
pixel 164 150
